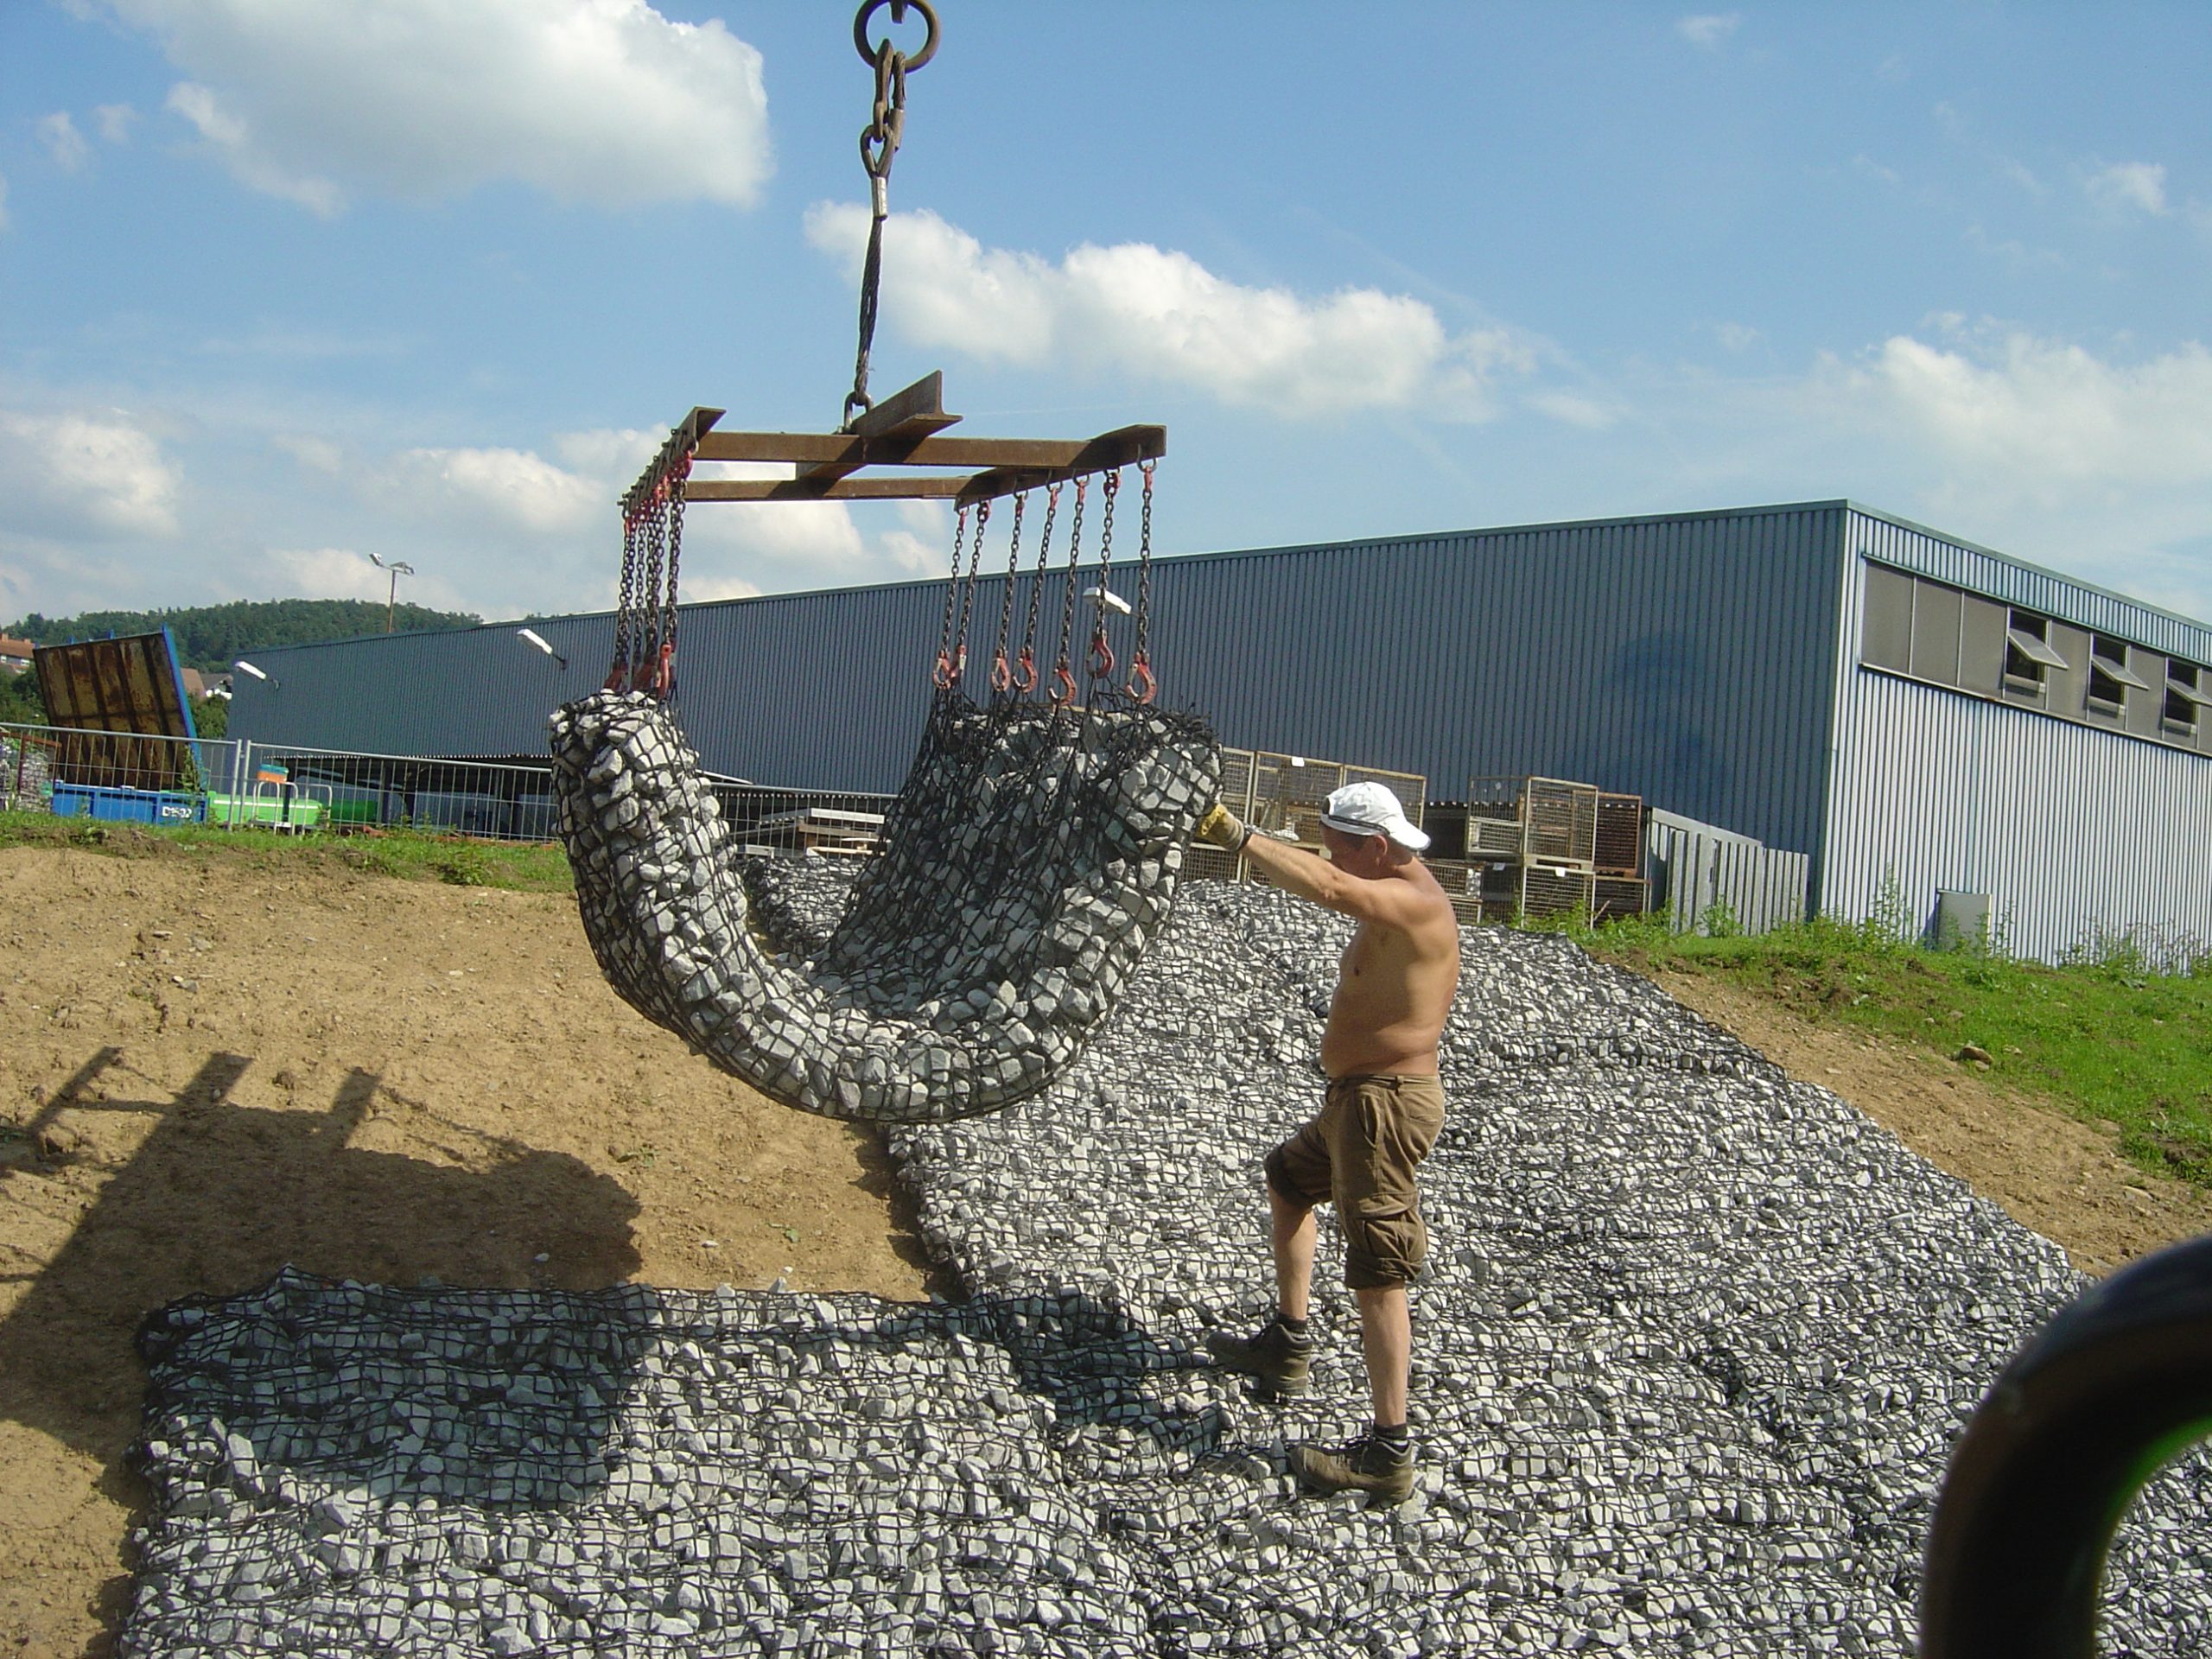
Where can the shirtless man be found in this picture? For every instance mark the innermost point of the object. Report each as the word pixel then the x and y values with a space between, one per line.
pixel 1381 1112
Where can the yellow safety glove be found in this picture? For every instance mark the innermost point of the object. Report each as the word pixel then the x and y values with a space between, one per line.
pixel 1223 828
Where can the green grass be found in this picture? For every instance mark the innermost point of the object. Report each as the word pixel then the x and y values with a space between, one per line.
pixel 2104 1038
pixel 403 854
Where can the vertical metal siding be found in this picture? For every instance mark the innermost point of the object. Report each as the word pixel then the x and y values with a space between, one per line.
pixel 2066 826
pixel 2062 825
pixel 1682 659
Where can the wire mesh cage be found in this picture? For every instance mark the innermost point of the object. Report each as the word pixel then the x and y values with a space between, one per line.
pixel 1496 827
pixel 1561 821
pixel 1555 890
pixel 1614 896
pixel 1620 834
pixel 1279 794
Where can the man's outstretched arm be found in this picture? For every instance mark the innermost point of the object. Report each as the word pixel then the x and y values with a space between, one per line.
pixel 1312 876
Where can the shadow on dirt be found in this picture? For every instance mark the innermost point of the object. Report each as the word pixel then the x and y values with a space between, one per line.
pixel 263 1188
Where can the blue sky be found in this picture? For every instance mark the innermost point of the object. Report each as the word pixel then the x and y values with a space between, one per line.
pixel 285 286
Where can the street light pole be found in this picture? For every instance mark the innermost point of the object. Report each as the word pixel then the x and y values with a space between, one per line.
pixel 398 568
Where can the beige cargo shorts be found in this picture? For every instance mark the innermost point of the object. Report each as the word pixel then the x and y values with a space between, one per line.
pixel 1360 1154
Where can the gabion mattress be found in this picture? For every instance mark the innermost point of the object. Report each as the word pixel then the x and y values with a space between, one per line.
pixel 1031 857
pixel 1694 1345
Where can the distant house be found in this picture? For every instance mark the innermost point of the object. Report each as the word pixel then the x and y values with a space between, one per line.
pixel 194 685
pixel 14 654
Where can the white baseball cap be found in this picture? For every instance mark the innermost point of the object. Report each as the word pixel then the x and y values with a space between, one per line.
pixel 1370 808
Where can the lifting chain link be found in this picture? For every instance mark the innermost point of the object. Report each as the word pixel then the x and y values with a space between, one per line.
pixel 1001 670
pixel 878 146
pixel 1063 681
pixel 941 675
pixel 1025 679
pixel 968 593
pixel 626 603
pixel 1143 686
pixel 1100 662
pixel 647 656
pixel 664 668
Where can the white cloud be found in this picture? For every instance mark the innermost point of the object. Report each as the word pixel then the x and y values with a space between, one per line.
pixel 115 122
pixel 502 490
pixel 1575 409
pixel 63 142
pixel 2099 468
pixel 316 454
pixel 77 476
pixel 1736 336
pixel 1706 30
pixel 1158 315
pixel 2013 251
pixel 1874 169
pixel 613 457
pixel 601 101
pixel 231 137
pixel 2045 417
pixel 2140 185
pixel 330 573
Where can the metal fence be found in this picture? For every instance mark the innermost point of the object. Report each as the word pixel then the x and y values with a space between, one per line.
pixel 119 776
pixel 293 787
pixel 1704 876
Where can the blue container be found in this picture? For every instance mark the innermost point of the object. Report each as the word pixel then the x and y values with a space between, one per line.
pixel 129 805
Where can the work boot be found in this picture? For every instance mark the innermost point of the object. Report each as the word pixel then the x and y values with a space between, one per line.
pixel 1371 1464
pixel 1277 1361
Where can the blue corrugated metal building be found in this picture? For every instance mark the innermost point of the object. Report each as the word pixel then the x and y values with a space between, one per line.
pixel 1910 710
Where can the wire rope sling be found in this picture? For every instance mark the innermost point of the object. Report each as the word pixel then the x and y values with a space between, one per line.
pixel 1036 845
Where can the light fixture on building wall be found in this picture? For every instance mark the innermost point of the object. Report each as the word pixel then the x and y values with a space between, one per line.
pixel 244 667
pixel 538 640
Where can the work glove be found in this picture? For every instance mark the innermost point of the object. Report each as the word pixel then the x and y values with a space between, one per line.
pixel 1224 829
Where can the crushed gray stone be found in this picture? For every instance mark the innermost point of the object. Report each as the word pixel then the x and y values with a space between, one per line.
pixel 1694 1343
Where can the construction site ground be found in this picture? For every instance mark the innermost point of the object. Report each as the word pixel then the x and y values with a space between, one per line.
pixel 210 1067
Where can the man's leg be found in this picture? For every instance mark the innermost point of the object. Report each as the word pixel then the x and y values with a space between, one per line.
pixel 1293 1235
pixel 1280 1357
pixel 1380 1462
pixel 1386 1338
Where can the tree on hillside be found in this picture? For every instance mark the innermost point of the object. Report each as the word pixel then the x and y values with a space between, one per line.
pixel 20 702
pixel 210 637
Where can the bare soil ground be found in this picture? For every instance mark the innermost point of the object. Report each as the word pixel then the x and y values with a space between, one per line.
pixel 208 1070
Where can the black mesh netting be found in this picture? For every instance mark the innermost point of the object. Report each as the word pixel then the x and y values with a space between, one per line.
pixel 1031 856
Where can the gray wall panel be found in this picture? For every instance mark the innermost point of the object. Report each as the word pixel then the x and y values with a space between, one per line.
pixel 1682 659
pixel 2065 827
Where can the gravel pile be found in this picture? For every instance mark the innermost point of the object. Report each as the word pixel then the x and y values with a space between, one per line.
pixel 1695 1344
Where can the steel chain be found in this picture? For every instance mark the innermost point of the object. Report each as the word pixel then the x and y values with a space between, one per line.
pixel 656 549
pixel 1037 587
pixel 942 672
pixel 1100 660
pixel 880 141
pixel 1002 670
pixel 1140 658
pixel 679 471
pixel 627 599
pixel 1065 686
pixel 968 593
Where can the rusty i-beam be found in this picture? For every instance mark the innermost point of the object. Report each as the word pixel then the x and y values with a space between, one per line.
pixel 898 432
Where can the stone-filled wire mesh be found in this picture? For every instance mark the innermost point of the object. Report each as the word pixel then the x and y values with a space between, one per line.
pixel 1033 853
